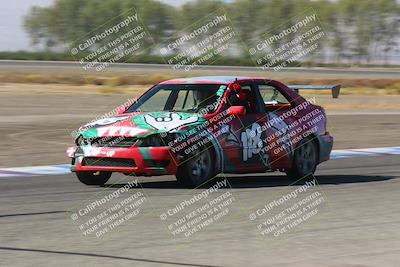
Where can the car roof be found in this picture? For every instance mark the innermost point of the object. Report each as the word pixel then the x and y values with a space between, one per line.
pixel 208 80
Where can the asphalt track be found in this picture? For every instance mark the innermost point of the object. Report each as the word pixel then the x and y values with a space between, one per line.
pixel 358 225
pixel 70 66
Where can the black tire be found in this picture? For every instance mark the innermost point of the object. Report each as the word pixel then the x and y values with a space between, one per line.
pixel 197 169
pixel 304 160
pixel 93 178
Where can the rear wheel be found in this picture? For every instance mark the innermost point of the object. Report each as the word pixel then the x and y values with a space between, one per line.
pixel 197 169
pixel 93 178
pixel 304 161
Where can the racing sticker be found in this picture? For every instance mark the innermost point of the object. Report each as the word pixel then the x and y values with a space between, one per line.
pixel 230 136
pixel 251 140
pixel 90 151
pixel 282 127
pixel 169 122
pixel 119 131
pixel 105 121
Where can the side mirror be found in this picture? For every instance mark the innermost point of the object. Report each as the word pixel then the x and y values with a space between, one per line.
pixel 236 88
pixel 236 110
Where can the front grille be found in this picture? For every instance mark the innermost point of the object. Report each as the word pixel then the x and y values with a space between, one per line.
pixel 123 142
pixel 157 163
pixel 157 140
pixel 108 162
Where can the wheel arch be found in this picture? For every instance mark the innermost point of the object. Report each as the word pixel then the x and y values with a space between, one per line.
pixel 316 140
pixel 217 154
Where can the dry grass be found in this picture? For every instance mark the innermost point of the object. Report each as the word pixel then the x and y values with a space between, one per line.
pixel 122 84
pixel 70 90
pixel 367 91
pixel 79 79
pixel 349 83
pixel 350 86
pixel 359 103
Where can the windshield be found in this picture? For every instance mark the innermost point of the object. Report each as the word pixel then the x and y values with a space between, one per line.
pixel 198 98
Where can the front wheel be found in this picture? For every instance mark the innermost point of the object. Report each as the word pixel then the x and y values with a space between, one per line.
pixel 93 178
pixel 197 169
pixel 304 161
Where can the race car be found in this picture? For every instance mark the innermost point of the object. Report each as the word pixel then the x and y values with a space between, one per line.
pixel 195 128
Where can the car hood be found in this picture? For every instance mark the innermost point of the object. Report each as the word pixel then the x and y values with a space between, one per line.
pixel 140 124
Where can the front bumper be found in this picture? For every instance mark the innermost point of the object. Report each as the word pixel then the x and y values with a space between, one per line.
pixel 134 160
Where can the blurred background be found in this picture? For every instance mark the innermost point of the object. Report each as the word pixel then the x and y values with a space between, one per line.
pixel 362 32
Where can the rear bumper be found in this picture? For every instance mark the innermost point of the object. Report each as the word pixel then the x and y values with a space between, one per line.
pixel 325 146
pixel 135 160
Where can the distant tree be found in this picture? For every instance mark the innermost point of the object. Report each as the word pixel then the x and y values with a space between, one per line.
pixel 67 21
pixel 157 17
pixel 359 30
pixel 370 24
pixel 191 14
pixel 247 16
pixel 37 24
pixel 386 27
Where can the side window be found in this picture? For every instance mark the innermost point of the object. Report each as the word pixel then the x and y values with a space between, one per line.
pixel 244 98
pixel 233 100
pixel 185 100
pixel 271 95
pixel 249 100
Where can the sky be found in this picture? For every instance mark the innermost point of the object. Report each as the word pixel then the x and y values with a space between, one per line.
pixel 13 35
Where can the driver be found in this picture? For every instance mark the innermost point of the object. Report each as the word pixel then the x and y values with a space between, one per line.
pixel 203 98
pixel 239 97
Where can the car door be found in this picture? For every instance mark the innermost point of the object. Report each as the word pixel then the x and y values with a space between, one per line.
pixel 278 145
pixel 242 146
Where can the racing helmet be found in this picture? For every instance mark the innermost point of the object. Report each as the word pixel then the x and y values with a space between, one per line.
pixel 202 97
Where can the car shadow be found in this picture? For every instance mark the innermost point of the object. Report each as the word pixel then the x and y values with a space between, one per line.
pixel 258 181
pixel 274 181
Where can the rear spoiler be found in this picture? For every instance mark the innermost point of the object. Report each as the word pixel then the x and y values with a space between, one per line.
pixel 334 87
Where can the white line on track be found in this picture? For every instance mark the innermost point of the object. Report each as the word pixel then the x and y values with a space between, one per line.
pixel 65 168
pixel 365 152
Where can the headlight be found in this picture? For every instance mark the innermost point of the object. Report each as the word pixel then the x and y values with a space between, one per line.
pixel 80 141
